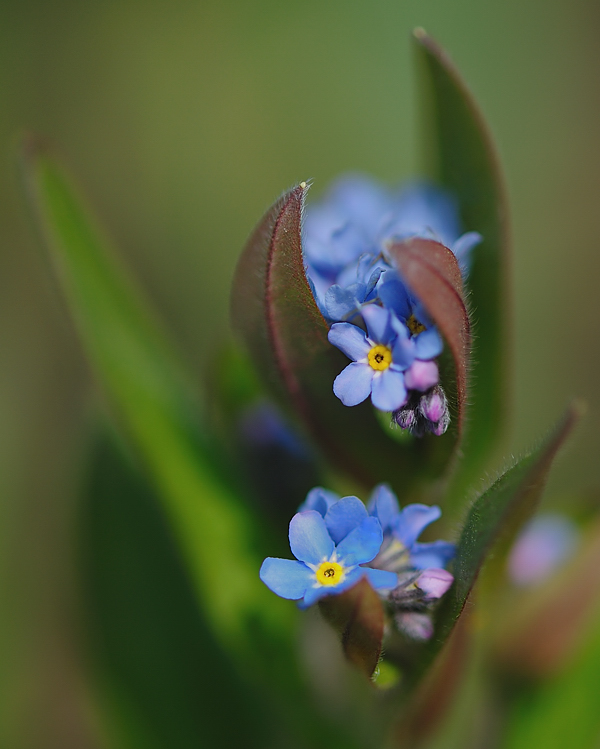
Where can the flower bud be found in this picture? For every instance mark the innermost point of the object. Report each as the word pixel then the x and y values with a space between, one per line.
pixel 434 582
pixel 421 375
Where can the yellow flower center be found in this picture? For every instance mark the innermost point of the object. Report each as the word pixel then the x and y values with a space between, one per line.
pixel 330 573
pixel 414 325
pixel 380 357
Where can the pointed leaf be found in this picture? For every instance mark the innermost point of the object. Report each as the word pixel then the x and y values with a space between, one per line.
pixel 358 616
pixel 492 523
pixel 467 164
pixel 143 381
pixel 275 314
pixel 149 640
pixel 432 272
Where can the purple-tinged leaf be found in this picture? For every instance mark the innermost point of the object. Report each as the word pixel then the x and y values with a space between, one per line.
pixel 465 161
pixel 358 616
pixel 431 271
pixel 275 314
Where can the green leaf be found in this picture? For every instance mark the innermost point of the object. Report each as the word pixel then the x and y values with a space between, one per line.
pixel 145 385
pixel 275 314
pixel 143 381
pixel 149 639
pixel 491 525
pixel 465 161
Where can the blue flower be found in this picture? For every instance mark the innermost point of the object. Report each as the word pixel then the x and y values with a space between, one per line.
pixel 401 528
pixel 329 551
pixel 356 220
pixel 319 499
pixel 380 358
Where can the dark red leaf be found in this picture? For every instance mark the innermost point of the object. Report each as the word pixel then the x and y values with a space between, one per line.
pixel 275 314
pixel 358 616
pixel 432 272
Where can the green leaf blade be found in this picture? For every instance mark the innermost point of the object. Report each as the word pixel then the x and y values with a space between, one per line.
pixel 492 522
pixel 465 161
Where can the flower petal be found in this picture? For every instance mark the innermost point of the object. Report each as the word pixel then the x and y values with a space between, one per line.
pixel 384 506
pixel 344 303
pixel 350 339
pixel 319 499
pixel 435 554
pixel 353 384
pixel 286 577
pixel 412 520
pixel 378 323
pixel 388 390
pixel 381 579
pixel 462 250
pixel 434 582
pixel 362 544
pixel 344 516
pixel 394 296
pixel 309 540
pixel 404 349
pixel 428 344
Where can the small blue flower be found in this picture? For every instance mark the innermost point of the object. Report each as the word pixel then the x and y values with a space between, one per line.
pixel 401 528
pixel 380 358
pixel 329 551
pixel 356 220
pixel 319 499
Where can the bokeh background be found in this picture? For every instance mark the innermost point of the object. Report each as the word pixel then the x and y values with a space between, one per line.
pixel 183 121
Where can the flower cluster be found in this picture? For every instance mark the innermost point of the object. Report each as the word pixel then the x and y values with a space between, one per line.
pixel 338 540
pixel 375 319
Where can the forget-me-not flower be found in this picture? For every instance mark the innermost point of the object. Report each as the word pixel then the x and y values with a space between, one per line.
pixel 329 553
pixel 401 528
pixel 380 358
pixel 346 240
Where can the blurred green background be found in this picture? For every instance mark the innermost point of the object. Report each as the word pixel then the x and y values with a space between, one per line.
pixel 183 121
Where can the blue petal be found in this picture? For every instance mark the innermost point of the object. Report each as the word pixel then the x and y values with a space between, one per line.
pixel 435 554
pixel 362 544
pixel 319 499
pixel 314 280
pixel 462 249
pixel 381 578
pixel 412 520
pixel 362 199
pixel 353 384
pixel 350 339
pixel 342 304
pixel 309 540
pixel 344 516
pixel 378 323
pixel 388 390
pixel 384 506
pixel 425 210
pixel 286 577
pixel 403 350
pixel 394 296
pixel 428 344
